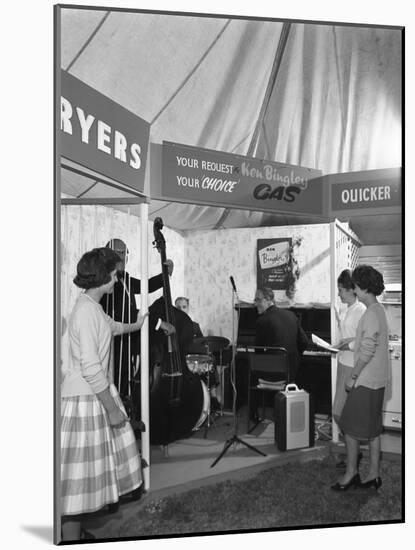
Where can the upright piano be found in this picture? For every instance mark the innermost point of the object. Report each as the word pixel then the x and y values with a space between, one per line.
pixel 314 373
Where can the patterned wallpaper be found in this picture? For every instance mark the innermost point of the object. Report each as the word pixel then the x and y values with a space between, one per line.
pixel 87 227
pixel 204 261
pixel 212 256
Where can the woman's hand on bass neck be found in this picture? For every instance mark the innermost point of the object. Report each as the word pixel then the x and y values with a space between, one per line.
pixel 141 317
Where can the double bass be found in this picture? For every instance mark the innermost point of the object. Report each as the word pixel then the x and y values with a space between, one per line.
pixel 176 394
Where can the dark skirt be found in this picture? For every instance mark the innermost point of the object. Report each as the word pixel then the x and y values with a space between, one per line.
pixel 343 374
pixel 361 417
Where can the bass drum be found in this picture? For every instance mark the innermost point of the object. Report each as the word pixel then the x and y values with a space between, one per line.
pixel 205 408
pixel 169 422
pixel 170 418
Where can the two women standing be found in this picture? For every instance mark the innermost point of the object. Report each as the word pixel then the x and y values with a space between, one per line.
pixel 361 416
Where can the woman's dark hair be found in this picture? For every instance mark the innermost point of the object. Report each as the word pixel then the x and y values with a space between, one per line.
pixel 345 279
pixel 369 279
pixel 95 267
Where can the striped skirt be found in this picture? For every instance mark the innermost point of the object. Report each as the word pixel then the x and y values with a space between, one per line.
pixel 98 463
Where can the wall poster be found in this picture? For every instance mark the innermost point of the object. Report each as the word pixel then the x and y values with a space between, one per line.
pixel 273 260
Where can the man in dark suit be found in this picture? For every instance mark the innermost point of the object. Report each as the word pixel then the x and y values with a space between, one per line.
pixel 279 327
pixel 121 306
pixel 182 303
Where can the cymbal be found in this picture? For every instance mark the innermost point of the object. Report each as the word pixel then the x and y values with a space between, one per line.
pixel 211 343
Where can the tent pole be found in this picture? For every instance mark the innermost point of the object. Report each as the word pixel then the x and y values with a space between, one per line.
pixel 285 31
pixel 144 355
pixel 265 102
pixel 333 289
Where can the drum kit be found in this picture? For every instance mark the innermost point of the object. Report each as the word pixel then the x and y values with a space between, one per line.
pixel 201 361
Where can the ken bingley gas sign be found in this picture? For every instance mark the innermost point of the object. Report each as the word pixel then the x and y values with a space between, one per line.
pixel 203 176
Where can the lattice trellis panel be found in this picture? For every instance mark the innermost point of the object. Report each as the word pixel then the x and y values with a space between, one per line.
pixel 347 247
pixel 346 254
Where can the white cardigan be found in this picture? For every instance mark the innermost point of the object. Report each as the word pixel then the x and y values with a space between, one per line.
pixel 90 331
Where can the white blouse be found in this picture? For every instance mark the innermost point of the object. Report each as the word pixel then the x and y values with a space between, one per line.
pixel 349 321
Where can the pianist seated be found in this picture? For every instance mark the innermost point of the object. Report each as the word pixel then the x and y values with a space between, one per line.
pixel 279 327
pixel 276 327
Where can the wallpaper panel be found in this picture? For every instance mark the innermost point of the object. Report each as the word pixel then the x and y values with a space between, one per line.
pixel 211 257
pixel 203 263
pixel 87 227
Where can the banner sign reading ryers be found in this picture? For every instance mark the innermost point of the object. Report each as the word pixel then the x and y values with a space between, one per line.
pixel 273 259
pixel 203 176
pixel 101 135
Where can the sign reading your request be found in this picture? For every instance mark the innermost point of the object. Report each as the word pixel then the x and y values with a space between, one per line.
pixel 202 176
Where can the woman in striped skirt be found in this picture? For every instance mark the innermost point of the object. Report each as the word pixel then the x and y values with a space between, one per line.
pixel 100 460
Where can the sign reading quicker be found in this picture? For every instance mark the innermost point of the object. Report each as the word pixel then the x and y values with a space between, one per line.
pixel 203 176
pixel 99 134
pixel 371 192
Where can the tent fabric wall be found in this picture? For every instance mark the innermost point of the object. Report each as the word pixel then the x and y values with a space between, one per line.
pixel 337 102
pixel 196 80
pixel 335 105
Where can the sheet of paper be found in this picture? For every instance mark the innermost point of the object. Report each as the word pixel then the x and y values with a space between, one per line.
pixel 323 344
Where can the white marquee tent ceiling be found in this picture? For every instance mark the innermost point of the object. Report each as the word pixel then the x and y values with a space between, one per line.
pixel 319 96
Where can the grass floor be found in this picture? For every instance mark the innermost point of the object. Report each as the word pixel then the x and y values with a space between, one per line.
pixel 290 495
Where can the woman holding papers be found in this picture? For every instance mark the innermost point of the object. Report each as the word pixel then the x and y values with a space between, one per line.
pixel 347 322
pixel 361 418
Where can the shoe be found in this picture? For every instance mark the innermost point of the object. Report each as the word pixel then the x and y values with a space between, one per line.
pixel 138 493
pixel 354 482
pixel 342 464
pixel 86 535
pixel 376 483
pixel 214 404
pixel 254 416
pixel 113 507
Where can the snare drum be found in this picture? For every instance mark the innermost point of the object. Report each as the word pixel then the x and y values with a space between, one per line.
pixel 199 364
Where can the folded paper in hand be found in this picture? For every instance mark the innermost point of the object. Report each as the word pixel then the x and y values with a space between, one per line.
pixel 323 344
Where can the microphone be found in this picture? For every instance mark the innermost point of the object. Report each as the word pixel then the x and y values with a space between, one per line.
pixel 233 284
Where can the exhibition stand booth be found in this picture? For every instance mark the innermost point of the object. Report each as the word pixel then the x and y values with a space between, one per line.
pixel 110 175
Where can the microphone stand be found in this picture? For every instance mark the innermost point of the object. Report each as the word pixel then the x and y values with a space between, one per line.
pixel 234 439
